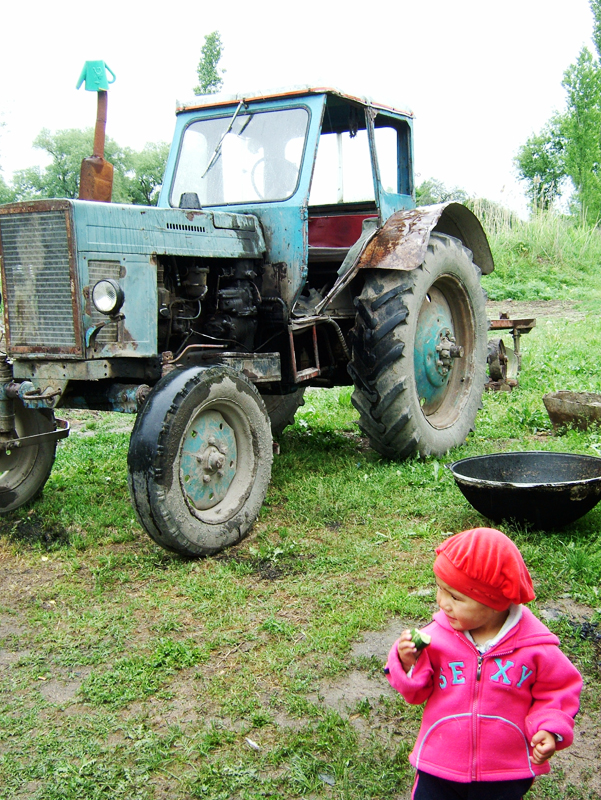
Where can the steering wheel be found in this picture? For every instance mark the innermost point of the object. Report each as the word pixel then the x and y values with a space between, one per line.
pixel 253 171
pixel 283 177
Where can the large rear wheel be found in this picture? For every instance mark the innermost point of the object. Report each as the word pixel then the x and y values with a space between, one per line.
pixel 419 353
pixel 200 460
pixel 25 470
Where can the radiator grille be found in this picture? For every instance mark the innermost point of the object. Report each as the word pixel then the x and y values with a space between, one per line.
pixel 38 282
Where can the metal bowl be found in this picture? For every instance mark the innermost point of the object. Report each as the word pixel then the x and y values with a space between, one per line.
pixel 541 489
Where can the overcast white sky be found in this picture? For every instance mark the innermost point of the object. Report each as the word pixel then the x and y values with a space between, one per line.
pixel 479 76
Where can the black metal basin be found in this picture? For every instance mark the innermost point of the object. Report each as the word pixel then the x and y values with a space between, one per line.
pixel 541 489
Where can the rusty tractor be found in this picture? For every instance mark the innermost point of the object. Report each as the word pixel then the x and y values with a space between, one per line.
pixel 286 251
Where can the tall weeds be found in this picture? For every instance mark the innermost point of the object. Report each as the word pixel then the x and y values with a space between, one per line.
pixel 545 258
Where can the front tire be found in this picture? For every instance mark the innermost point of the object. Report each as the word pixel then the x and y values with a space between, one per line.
pixel 24 471
pixel 419 353
pixel 200 459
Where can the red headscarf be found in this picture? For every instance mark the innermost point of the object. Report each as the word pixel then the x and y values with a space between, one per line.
pixel 485 565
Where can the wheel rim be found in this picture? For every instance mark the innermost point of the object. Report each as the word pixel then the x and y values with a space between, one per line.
pixel 217 464
pixel 443 353
pixel 208 463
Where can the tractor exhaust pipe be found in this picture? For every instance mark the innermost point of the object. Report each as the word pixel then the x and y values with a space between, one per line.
pixel 96 175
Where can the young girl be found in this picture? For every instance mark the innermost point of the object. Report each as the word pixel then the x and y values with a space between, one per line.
pixel 500 695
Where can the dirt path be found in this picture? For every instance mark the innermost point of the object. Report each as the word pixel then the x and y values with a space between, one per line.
pixel 516 309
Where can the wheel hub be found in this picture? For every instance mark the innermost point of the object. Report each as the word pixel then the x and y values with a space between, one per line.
pixel 208 460
pixel 435 350
pixel 447 350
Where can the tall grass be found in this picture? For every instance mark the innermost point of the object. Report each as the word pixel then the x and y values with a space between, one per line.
pixel 549 257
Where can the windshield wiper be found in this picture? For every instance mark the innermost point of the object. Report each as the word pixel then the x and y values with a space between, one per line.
pixel 217 150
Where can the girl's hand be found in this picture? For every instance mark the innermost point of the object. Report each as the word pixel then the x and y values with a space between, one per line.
pixel 407 651
pixel 543 743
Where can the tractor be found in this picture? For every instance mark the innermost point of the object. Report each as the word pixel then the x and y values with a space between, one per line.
pixel 286 251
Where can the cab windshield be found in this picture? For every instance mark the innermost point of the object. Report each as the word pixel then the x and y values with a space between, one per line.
pixel 241 158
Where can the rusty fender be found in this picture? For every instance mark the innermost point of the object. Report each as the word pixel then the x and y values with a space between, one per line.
pixel 402 241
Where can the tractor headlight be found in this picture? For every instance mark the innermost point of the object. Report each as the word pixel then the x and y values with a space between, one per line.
pixel 108 297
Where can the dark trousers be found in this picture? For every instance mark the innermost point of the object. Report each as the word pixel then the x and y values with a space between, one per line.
pixel 429 787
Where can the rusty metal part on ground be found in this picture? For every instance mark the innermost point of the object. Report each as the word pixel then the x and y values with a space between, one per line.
pixel 504 364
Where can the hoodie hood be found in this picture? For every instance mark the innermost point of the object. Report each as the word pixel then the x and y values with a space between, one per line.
pixel 530 631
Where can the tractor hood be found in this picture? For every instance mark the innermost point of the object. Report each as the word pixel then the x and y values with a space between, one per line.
pixel 120 230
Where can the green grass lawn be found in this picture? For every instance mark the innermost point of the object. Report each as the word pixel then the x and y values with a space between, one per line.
pixel 127 672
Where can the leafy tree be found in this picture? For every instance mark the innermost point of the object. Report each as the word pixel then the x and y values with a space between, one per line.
pixel 209 77
pixel 135 179
pixel 596 9
pixel 582 132
pixel 570 143
pixel 67 149
pixel 6 193
pixel 432 191
pixel 147 168
pixel 145 175
pixel 541 163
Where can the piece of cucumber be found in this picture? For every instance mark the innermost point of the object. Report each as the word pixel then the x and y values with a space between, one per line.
pixel 420 639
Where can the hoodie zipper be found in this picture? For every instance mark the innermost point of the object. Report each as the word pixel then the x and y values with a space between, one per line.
pixel 480 660
pixel 475 717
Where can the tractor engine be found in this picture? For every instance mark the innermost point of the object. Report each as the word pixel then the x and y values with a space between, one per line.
pixel 199 304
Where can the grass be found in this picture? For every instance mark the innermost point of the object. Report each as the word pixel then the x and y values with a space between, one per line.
pixel 128 672
pixel 546 258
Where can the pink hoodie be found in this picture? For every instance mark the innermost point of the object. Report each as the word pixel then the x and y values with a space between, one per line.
pixel 482 710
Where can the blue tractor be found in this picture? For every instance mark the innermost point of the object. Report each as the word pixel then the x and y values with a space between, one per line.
pixel 286 251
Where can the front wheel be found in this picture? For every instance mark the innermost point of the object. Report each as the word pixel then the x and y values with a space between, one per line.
pixel 200 459
pixel 419 353
pixel 25 470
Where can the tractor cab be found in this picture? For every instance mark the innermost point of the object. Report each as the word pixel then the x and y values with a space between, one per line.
pixel 316 166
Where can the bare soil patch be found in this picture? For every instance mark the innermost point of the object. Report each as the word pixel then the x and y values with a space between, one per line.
pixel 539 309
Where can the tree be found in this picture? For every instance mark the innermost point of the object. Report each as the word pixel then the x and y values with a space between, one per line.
pixel 541 163
pixel 432 191
pixel 67 149
pixel 596 9
pixel 582 132
pixel 6 193
pixel 145 175
pixel 136 177
pixel 209 77
pixel 570 143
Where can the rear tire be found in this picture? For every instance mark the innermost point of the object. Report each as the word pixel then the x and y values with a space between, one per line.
pixel 200 459
pixel 282 408
pixel 24 471
pixel 412 396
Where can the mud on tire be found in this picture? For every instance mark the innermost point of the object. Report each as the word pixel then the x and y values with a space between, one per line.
pixel 419 353
pixel 199 460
